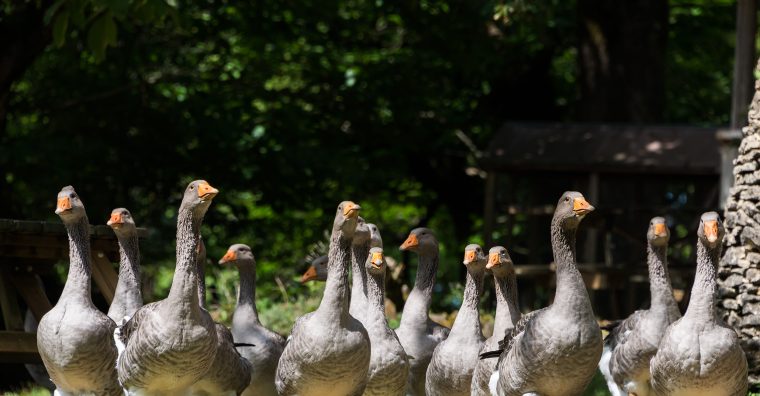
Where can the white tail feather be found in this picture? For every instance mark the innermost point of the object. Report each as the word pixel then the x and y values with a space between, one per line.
pixel 604 367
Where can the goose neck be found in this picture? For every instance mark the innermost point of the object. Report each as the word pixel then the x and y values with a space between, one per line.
pixel 128 295
pixel 571 291
pixel 659 279
pixel 246 301
pixel 184 294
pixel 507 309
pixel 468 318
pixel 376 298
pixel 703 292
pixel 80 261
pixel 334 305
pixel 418 304
pixel 359 294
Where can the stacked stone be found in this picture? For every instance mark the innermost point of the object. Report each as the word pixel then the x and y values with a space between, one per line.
pixel 739 273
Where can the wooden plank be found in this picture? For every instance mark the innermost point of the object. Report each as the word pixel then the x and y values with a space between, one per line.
pixel 18 347
pixel 104 275
pixel 32 291
pixel 744 59
pixel 9 303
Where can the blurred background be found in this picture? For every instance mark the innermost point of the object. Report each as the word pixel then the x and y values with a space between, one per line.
pixel 470 118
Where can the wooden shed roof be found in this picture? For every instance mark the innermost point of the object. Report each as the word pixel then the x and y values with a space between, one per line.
pixel 605 148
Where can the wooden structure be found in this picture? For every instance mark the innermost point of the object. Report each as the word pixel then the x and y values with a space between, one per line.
pixel 630 173
pixel 28 250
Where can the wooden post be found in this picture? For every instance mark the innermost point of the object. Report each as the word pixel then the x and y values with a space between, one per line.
pixel 592 195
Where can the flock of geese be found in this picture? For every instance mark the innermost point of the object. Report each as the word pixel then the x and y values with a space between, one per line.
pixel 345 347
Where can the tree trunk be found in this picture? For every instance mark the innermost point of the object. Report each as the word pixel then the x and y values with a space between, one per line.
pixel 622 59
pixel 739 275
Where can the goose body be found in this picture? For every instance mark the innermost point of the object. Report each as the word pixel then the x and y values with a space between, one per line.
pixel 565 335
pixel 246 327
pixel 450 370
pixel 389 365
pixel 170 344
pixel 631 345
pixel 417 333
pixel 74 338
pixel 507 315
pixel 699 354
pixel 127 297
pixel 229 373
pixel 329 350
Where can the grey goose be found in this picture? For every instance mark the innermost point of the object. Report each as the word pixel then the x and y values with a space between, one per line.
pixel 699 353
pixel 507 314
pixel 633 342
pixel 168 345
pixel 417 333
pixel 450 370
pixel 74 338
pixel 328 352
pixel 545 344
pixel 247 328
pixel 127 298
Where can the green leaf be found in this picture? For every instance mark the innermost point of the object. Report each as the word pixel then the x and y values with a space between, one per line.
pixel 101 35
pixel 60 27
pixel 50 13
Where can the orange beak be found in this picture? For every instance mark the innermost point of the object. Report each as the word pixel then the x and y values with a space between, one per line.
pixel 115 219
pixel 660 230
pixel 469 256
pixel 377 259
pixel 493 260
pixel 229 256
pixel 206 191
pixel 62 205
pixel 711 230
pixel 310 274
pixel 581 207
pixel 410 242
pixel 351 209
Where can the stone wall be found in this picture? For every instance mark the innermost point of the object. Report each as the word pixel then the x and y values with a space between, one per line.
pixel 739 273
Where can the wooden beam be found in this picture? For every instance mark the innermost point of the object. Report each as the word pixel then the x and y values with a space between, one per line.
pixel 744 61
pixel 9 303
pixel 32 291
pixel 18 347
pixel 104 275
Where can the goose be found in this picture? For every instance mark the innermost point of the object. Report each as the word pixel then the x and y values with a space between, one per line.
pixel 633 342
pixel 317 270
pixel 128 296
pixel 230 373
pixel 329 350
pixel 699 353
pixel 417 333
pixel 554 351
pixel 454 359
pixel 168 345
pixel 389 365
pixel 507 314
pixel 246 326
pixel 360 246
pixel 74 338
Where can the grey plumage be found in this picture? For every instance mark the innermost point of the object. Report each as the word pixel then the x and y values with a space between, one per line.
pixel 507 315
pixel 559 347
pixel 700 354
pixel 360 246
pixel 417 333
pixel 329 350
pixel 171 343
pixel 450 370
pixel 247 328
pixel 634 341
pixel 128 296
pixel 74 338
pixel 389 364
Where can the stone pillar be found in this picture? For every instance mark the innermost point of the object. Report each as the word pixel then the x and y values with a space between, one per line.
pixel 739 273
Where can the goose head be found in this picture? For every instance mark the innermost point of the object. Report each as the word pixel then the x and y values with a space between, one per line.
pixel 474 257
pixel 375 240
pixel 317 270
pixel 69 206
pixel 376 262
pixel 198 196
pixel 710 230
pixel 362 233
pixel 121 222
pixel 499 262
pixel 571 209
pixel 240 255
pixel 346 219
pixel 420 240
pixel 658 233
